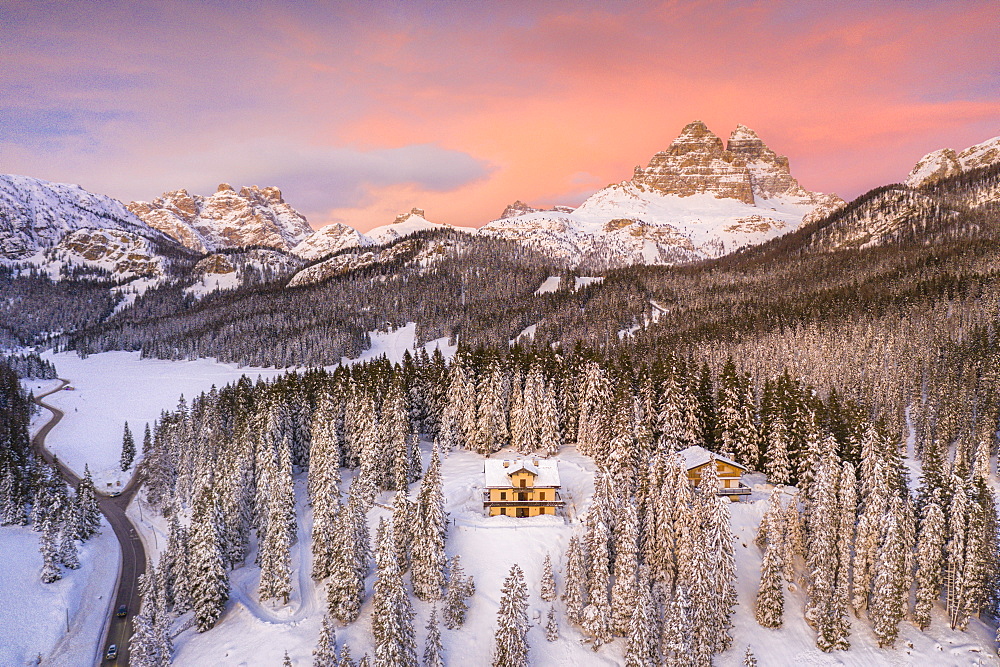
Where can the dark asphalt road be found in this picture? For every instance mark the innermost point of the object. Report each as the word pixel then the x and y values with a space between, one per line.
pixel 133 553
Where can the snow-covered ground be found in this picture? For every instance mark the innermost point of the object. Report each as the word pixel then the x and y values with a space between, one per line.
pixel 113 387
pixel 33 615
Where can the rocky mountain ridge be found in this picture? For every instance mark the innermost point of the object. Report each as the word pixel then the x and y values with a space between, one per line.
pixel 698 198
pixel 945 162
pixel 253 216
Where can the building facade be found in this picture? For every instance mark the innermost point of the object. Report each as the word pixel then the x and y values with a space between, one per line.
pixel 730 472
pixel 521 487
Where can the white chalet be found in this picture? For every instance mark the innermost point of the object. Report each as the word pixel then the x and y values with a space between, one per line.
pixel 521 487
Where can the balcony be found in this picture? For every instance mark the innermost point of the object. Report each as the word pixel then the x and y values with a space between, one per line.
pixel 556 502
pixel 741 490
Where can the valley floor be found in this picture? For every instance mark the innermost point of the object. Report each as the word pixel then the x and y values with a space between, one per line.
pixel 113 387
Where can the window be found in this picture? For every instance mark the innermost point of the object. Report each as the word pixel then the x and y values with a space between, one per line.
pixel 503 495
pixel 503 511
pixel 522 496
pixel 541 495
pixel 524 483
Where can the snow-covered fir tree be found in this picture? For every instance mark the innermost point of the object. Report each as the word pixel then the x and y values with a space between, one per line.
pixel 128 449
pixel 206 576
pixel 325 653
pixel 89 513
pixel 433 649
pixel 551 625
pixel 429 535
pixel 547 589
pixel 151 644
pixel 392 614
pixel 511 642
pixel 460 589
pixel 930 561
pixel 643 632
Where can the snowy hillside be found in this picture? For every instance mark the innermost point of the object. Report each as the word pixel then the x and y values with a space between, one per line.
pixel 37 214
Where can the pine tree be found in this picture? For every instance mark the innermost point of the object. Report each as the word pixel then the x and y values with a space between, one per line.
pixel 824 611
pixel 348 567
pixel 429 560
pixel 548 586
pixel 624 592
pixel 89 512
pixel 460 589
pixel 778 467
pixel 770 604
pixel 286 662
pixel 643 636
pixel 150 645
pixel 206 576
pixel 551 625
pixel 677 633
pixel 891 588
pixel 392 615
pixel 511 648
pixel 433 649
pixel 50 549
pixel 596 618
pixel 128 449
pixel 930 559
pixel 749 659
pixel 325 653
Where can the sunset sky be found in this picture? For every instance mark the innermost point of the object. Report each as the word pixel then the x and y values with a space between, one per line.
pixel 361 110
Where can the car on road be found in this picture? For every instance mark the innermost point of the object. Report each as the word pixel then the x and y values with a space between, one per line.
pixel 115 494
pixel 112 653
pixel 122 611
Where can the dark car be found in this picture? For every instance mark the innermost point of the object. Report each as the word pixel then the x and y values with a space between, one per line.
pixel 112 653
pixel 122 611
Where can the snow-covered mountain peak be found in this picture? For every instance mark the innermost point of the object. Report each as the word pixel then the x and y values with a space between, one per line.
pixel 698 198
pixel 330 238
pixel 37 214
pixel 945 162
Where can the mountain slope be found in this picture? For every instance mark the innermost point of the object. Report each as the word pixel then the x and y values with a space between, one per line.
pixel 37 214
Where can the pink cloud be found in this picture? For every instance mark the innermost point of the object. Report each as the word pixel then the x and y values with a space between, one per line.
pixel 853 93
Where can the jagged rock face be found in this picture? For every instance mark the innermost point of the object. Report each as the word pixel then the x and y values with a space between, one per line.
pixel 697 162
pixel 122 253
pixel 980 155
pixel 516 209
pixel 217 264
pixel 403 217
pixel 37 214
pixel 933 167
pixel 881 219
pixel 328 239
pixel 944 163
pixel 226 219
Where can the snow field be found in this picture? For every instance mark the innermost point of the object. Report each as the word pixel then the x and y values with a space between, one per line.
pixel 33 615
pixel 114 387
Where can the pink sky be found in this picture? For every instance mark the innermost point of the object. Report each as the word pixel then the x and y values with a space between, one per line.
pixel 358 111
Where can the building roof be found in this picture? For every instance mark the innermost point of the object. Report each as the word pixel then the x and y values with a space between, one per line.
pixel 696 456
pixel 546 471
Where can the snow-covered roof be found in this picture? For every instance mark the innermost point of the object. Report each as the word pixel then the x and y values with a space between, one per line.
pixel 498 471
pixel 695 456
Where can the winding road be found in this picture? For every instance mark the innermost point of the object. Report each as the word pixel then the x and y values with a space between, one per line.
pixel 119 631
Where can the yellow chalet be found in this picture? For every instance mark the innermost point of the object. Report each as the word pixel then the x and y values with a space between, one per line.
pixel 521 487
pixel 730 485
